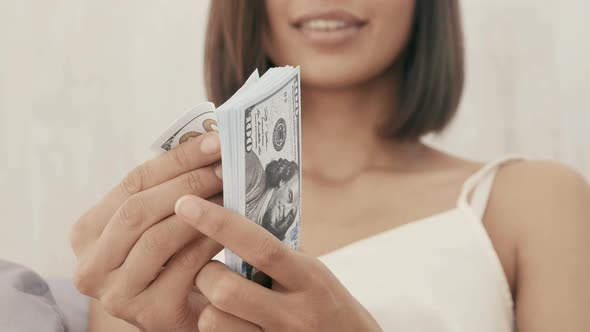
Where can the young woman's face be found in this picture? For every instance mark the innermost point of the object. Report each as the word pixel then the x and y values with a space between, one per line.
pixel 338 43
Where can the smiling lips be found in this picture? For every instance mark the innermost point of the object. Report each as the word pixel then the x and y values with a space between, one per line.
pixel 329 28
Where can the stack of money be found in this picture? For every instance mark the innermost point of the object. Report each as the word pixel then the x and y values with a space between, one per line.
pixel 259 128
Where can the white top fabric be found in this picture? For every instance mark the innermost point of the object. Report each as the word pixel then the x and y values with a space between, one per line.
pixel 440 273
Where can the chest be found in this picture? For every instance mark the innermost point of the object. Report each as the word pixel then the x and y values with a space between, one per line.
pixel 334 217
pixel 429 276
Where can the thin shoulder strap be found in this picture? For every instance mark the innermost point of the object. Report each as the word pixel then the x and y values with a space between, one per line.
pixel 480 184
pixel 481 193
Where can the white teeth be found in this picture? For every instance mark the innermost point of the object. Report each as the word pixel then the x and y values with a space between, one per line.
pixel 325 24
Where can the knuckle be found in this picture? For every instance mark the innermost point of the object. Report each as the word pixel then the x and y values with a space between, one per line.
pixel 134 182
pixel 84 279
pixel 223 293
pixel 112 308
pixel 130 213
pixel 182 157
pixel 269 252
pixel 115 305
pixel 209 320
pixel 195 181
pixel 153 242
pixel 145 318
pixel 190 259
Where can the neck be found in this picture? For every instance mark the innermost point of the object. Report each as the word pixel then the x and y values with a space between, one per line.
pixel 340 130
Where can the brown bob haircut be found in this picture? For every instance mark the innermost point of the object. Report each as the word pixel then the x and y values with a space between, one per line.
pixel 432 69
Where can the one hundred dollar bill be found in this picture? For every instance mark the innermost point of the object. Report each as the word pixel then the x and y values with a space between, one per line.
pixel 270 156
pixel 192 124
pixel 260 136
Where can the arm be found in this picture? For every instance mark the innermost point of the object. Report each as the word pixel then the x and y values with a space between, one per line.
pixel 551 206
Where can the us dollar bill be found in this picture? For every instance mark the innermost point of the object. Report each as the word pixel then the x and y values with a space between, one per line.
pixel 271 189
pixel 197 121
pixel 192 124
pixel 260 130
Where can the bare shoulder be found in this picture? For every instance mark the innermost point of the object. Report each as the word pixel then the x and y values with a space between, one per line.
pixel 540 189
pixel 541 174
pixel 536 210
pixel 537 195
pixel 539 221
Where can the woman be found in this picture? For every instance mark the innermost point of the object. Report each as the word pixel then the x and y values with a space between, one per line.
pixel 396 236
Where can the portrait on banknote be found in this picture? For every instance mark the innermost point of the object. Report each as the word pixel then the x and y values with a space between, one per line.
pixel 272 201
pixel 272 193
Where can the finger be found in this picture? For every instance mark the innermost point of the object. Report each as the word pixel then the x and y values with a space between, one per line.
pixel 171 296
pixel 140 212
pixel 247 239
pixel 231 293
pixel 213 319
pixel 177 278
pixel 217 199
pixel 156 246
pixel 194 154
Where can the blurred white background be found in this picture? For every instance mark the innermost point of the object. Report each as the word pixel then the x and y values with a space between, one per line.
pixel 86 85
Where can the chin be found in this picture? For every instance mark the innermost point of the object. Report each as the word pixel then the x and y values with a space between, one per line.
pixel 335 72
pixel 335 69
pixel 337 77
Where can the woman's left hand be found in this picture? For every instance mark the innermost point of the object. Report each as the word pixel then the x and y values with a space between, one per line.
pixel 306 296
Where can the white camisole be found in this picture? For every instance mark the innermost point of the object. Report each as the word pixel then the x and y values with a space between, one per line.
pixel 440 273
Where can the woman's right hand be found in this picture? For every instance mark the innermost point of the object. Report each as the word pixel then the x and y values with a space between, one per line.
pixel 135 256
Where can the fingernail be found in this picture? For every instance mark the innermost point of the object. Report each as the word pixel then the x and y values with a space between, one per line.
pixel 188 207
pixel 218 170
pixel 210 143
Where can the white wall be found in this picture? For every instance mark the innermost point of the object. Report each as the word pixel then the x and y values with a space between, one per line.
pixel 86 85
pixel 528 81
